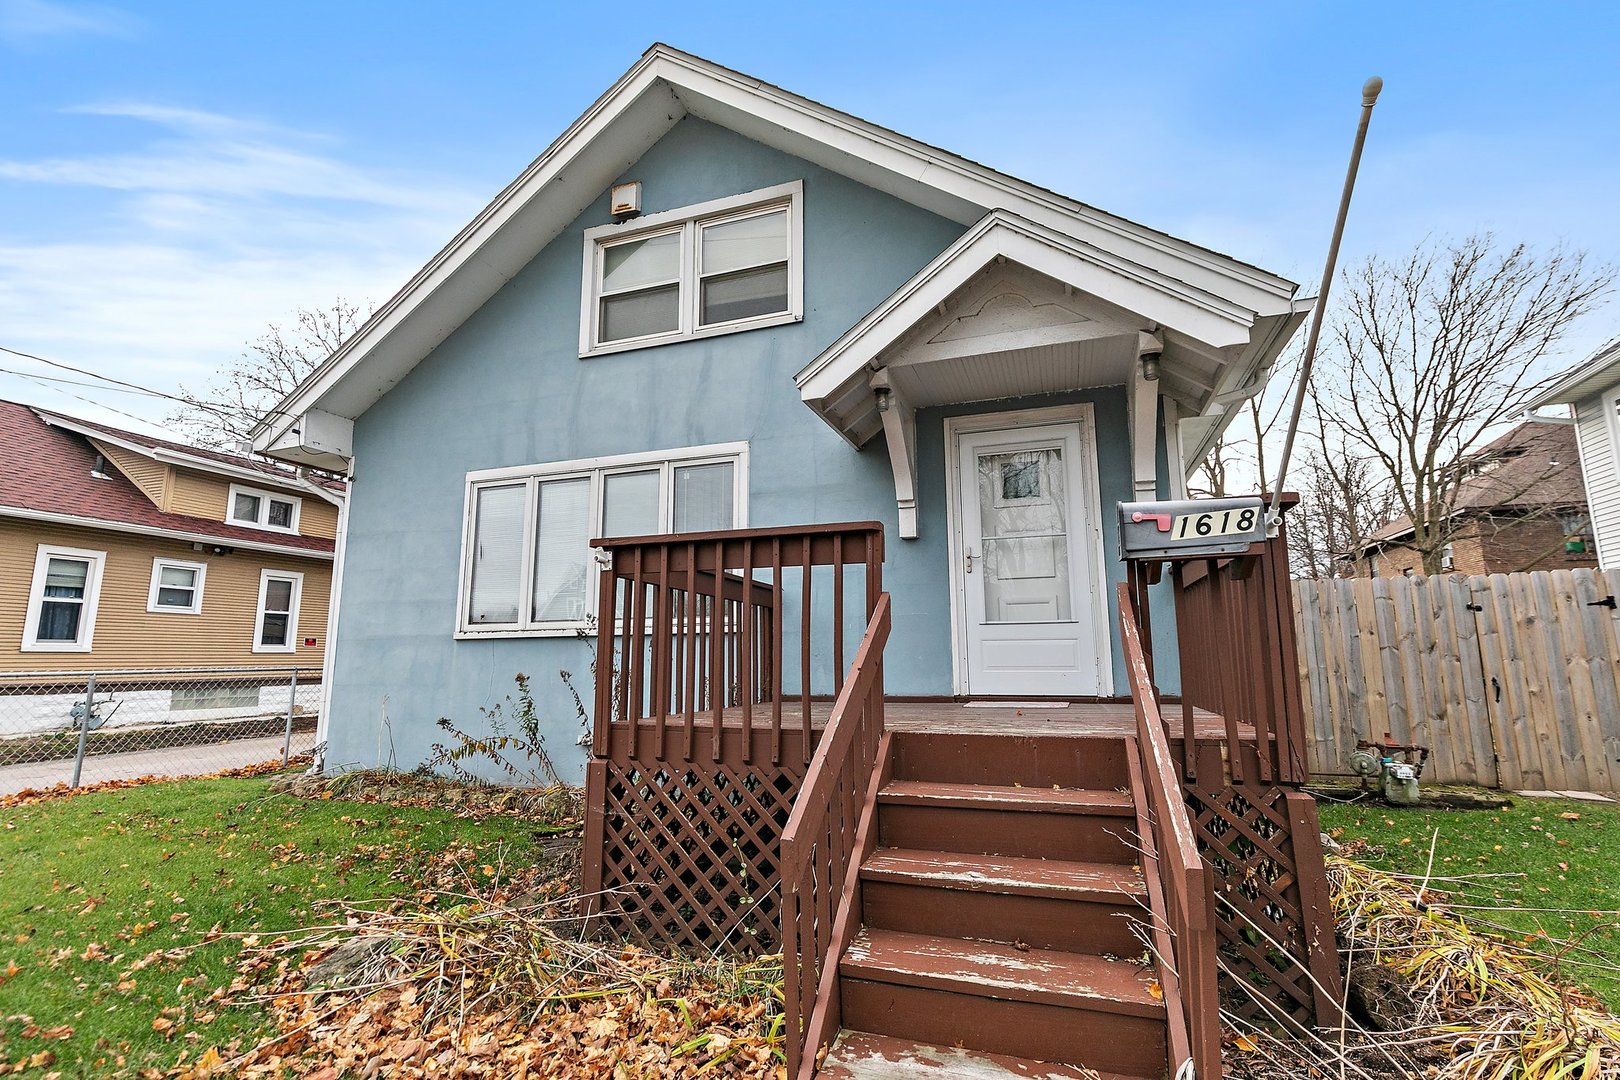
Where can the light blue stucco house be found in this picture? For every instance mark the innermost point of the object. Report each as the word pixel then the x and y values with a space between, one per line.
pixel 801 444
pixel 714 304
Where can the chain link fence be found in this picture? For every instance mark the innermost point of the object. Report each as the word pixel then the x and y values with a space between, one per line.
pixel 72 728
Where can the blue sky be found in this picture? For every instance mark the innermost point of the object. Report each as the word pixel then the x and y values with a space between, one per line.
pixel 175 176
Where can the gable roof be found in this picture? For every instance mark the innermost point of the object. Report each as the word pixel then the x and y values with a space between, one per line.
pixel 663 87
pixel 1231 344
pixel 1534 467
pixel 236 466
pixel 46 474
pixel 1593 375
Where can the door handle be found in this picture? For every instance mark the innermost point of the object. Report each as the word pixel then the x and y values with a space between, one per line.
pixel 970 560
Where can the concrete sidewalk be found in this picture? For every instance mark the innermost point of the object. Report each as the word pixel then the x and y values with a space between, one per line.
pixel 174 761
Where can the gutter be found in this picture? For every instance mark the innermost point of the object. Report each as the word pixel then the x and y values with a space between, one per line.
pixel 50 518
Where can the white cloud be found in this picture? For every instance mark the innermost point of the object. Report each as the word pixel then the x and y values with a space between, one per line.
pixel 23 21
pixel 181 250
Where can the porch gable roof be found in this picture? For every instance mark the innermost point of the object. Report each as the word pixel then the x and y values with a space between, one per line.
pixel 1219 342
pixel 313 425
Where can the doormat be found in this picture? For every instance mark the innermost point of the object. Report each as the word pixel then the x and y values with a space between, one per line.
pixel 1016 705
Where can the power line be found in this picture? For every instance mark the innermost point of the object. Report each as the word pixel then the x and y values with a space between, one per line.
pixel 76 397
pixel 103 378
pixel 35 377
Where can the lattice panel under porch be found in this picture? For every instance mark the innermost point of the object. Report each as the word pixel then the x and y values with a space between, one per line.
pixel 691 853
pixel 1270 902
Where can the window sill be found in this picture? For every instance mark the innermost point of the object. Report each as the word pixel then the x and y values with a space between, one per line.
pixel 153 609
pixel 761 323
pixel 281 649
pixel 55 646
pixel 580 630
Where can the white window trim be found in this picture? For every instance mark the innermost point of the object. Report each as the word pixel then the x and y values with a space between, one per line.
pixel 596 469
pixel 36 598
pixel 687 220
pixel 265 577
pixel 156 608
pixel 264 496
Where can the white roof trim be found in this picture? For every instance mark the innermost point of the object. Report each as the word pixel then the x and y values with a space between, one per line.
pixel 1599 368
pixel 661 88
pixel 165 456
pixel 25 514
pixel 1156 297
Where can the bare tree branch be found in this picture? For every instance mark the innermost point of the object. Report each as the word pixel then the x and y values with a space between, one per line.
pixel 224 414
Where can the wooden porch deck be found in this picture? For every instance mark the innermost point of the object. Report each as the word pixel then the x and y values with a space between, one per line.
pixel 1034 717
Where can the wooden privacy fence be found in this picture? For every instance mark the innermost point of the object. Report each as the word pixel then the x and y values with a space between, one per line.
pixel 1510 679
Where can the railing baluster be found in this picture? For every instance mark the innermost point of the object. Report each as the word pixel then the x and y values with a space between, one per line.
pixel 838 613
pixel 776 650
pixel 717 653
pixel 602 722
pixel 804 649
pixel 746 644
pixel 662 634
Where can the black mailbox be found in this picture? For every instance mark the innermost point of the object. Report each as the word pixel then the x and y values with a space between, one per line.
pixel 1190 528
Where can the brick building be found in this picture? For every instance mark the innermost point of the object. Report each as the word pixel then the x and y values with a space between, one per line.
pixel 1521 505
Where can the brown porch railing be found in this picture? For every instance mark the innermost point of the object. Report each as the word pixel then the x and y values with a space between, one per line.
pixel 1178 879
pixel 1234 619
pixel 821 858
pixel 717 654
pixel 694 626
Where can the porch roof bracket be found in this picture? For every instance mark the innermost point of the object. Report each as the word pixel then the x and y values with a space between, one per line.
pixel 900 433
pixel 1144 420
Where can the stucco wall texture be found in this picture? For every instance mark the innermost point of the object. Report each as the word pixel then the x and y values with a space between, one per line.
pixel 508 388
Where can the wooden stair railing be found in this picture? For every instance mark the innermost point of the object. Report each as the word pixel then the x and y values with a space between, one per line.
pixel 821 856
pixel 1180 891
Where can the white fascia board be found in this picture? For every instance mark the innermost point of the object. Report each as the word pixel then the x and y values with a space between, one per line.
pixel 713 92
pixel 662 87
pixel 24 514
pixel 1251 370
pixel 1209 318
pixel 478 258
pixel 165 456
pixel 1587 379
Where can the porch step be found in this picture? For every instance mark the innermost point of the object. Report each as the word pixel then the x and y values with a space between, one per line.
pixel 861 1055
pixel 1006 875
pixel 1034 761
pixel 1056 800
pixel 1082 907
pixel 1048 1005
pixel 1086 824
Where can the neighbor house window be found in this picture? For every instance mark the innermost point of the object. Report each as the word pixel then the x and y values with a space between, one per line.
pixel 527 565
pixel 177 587
pixel 61 612
pixel 262 509
pixel 733 264
pixel 276 628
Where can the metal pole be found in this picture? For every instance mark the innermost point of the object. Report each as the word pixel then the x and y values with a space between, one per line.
pixel 84 727
pixel 1369 97
pixel 292 704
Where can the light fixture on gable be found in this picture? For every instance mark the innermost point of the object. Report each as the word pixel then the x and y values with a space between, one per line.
pixel 625 200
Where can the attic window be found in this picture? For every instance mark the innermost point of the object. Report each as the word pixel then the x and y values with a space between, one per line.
pixel 259 509
pixel 715 268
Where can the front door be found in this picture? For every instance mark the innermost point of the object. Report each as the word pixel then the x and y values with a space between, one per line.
pixel 1026 574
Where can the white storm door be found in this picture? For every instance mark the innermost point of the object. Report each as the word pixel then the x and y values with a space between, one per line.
pixel 1026 566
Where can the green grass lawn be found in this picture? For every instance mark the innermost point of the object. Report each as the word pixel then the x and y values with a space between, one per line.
pixel 112 905
pixel 1542 867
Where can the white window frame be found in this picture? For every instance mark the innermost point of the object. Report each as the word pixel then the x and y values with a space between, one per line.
pixel 158 565
pixel 36 599
pixel 596 470
pixel 264 495
pixel 265 577
pixel 688 221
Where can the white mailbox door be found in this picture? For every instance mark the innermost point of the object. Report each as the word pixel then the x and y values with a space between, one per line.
pixel 1027 570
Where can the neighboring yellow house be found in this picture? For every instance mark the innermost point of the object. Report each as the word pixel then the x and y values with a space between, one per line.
pixel 120 551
